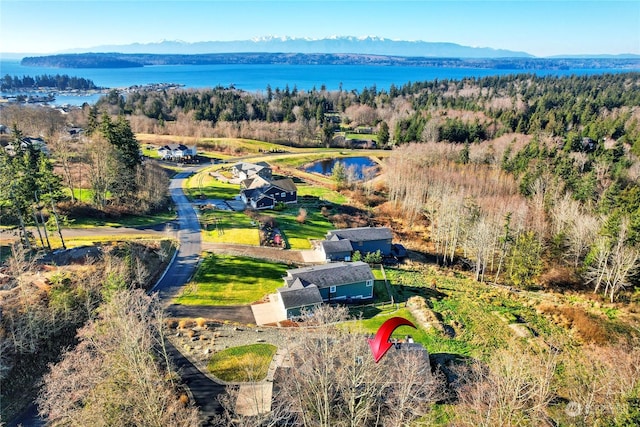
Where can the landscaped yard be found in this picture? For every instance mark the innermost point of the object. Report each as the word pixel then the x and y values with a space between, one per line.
pixel 232 280
pixel 244 363
pixel 237 227
pixel 229 227
pixel 298 235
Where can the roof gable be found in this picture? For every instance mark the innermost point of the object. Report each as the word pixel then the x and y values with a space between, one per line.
pixel 285 184
pixel 299 296
pixel 361 234
pixel 335 246
pixel 334 274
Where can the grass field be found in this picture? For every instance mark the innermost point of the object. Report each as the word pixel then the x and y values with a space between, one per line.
pixel 229 227
pixel 123 221
pixel 73 242
pixel 297 234
pixel 322 193
pixel 236 227
pixel 203 185
pixel 81 194
pixel 478 316
pixel 244 363
pixel 231 280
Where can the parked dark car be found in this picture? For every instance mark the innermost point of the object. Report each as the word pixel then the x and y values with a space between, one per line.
pixel 398 251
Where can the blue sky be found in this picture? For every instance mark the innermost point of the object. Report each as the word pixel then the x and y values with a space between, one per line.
pixel 542 28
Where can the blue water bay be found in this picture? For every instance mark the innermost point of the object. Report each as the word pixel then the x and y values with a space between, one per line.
pixel 256 77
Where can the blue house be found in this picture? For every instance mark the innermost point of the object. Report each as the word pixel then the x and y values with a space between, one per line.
pixel 336 250
pixel 309 286
pixel 261 193
pixel 365 239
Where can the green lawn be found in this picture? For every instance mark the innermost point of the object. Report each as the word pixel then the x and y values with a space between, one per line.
pixel 204 185
pixel 81 194
pixel 237 227
pixel 150 151
pixel 232 227
pixel 367 136
pixel 297 235
pixel 124 221
pixel 231 280
pixel 244 363
pixel 322 193
pixel 73 242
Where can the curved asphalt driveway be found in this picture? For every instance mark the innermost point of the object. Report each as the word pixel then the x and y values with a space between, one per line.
pixel 188 254
pixel 205 391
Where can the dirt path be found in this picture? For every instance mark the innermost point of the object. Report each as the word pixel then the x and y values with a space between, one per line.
pixel 260 252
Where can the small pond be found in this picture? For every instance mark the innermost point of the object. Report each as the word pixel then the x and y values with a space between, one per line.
pixel 359 165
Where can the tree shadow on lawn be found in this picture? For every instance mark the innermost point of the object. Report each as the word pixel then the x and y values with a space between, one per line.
pixel 450 364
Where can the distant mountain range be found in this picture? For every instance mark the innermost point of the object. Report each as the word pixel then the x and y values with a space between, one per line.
pixel 131 60
pixel 351 45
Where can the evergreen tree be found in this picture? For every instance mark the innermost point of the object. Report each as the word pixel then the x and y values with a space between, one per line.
pixel 383 134
pixel 124 167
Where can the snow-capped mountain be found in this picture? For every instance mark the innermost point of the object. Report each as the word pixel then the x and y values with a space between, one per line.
pixel 334 44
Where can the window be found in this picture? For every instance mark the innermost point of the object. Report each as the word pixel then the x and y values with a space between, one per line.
pixel 332 289
pixel 283 194
pixel 369 282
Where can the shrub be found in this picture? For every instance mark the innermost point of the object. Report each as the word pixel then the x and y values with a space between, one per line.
pixel 373 257
pixel 302 216
pixel 184 323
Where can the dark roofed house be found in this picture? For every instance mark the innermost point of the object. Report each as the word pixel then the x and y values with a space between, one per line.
pixel 365 239
pixel 261 193
pixel 338 281
pixel 293 299
pixel 336 250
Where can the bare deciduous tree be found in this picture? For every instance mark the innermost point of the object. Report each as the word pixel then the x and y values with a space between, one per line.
pixel 113 376
pixel 513 388
pixel 614 263
pixel 333 379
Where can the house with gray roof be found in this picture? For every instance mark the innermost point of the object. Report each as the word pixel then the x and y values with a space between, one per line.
pixel 177 152
pixel 246 170
pixel 261 193
pixel 365 239
pixel 308 286
pixel 336 250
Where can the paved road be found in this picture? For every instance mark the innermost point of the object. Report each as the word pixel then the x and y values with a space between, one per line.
pixel 205 391
pixel 186 261
pixel 242 313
